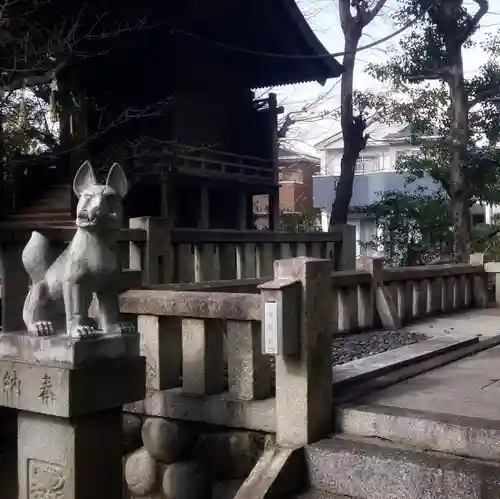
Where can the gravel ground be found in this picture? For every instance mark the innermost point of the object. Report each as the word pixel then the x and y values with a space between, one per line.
pixel 357 346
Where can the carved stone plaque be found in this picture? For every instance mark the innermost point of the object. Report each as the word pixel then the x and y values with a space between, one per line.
pixel 46 481
pixel 270 328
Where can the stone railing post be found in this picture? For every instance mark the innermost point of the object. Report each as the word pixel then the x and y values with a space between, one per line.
pixel 156 259
pixel 480 282
pixel 348 257
pixel 304 379
pixel 69 395
pixel 384 303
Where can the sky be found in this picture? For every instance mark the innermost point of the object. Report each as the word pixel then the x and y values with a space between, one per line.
pixel 322 15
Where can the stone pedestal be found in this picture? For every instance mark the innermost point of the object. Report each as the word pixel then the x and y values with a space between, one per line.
pixel 69 396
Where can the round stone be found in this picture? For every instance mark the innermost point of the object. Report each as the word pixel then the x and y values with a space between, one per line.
pixel 165 440
pixel 131 433
pixel 184 481
pixel 141 473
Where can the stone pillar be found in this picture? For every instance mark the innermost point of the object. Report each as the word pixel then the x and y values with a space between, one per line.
pixel 480 281
pixel 385 306
pixel 69 395
pixel 304 382
pixel 348 256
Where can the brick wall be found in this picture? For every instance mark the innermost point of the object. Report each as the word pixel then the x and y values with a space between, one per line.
pixel 296 185
pixel 296 189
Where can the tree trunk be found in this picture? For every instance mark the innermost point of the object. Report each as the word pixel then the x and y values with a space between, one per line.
pixel 459 143
pixel 353 129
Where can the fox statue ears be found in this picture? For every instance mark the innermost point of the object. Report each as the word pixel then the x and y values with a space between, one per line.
pixel 85 178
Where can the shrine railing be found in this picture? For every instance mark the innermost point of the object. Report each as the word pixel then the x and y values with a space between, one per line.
pixel 207 162
pixel 193 255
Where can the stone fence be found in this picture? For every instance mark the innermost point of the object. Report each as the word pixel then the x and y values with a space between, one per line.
pixel 209 361
pixel 246 354
pixel 194 255
pixel 402 295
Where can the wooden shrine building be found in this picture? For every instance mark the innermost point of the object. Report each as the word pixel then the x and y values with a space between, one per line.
pixel 172 101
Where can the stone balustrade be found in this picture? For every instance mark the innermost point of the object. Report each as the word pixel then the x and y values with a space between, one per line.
pixel 203 341
pixel 205 361
pixel 407 293
pixel 194 255
pixel 186 337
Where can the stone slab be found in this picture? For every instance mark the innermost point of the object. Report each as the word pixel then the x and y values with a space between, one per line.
pixel 62 349
pixel 220 409
pixel 359 369
pixel 370 384
pixel 462 324
pixel 469 387
pixel 71 391
pixel 463 436
pixel 375 469
pixel 70 458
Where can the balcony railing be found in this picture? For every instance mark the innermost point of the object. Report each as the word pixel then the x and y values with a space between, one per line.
pixel 206 162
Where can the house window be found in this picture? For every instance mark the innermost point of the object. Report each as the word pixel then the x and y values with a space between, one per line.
pixel 368 164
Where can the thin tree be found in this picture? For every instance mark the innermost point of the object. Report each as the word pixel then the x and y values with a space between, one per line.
pixel 453 28
pixel 433 51
pixel 355 15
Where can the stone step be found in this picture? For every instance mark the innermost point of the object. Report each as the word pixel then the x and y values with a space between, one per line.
pixel 460 435
pixel 355 379
pixel 370 468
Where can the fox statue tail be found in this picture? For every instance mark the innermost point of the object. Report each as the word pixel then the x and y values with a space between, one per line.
pixel 38 255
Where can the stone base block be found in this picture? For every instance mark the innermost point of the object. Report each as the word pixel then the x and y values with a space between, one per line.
pixel 62 349
pixel 79 458
pixel 67 391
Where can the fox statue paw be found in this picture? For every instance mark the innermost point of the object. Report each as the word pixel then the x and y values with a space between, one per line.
pixel 84 328
pixel 42 328
pixel 86 332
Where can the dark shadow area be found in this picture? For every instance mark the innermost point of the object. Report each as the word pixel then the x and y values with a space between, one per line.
pixel 8 454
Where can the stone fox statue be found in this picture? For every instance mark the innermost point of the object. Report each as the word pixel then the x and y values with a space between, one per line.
pixel 63 286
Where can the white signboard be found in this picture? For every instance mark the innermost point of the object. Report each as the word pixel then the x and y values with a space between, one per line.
pixel 271 328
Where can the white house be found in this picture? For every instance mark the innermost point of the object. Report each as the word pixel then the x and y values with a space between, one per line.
pixel 375 173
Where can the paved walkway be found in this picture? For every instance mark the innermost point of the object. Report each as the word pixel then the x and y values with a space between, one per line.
pixel 469 387
pixel 481 322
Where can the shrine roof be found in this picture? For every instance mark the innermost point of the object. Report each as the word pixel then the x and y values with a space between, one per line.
pixel 270 42
pixel 262 43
